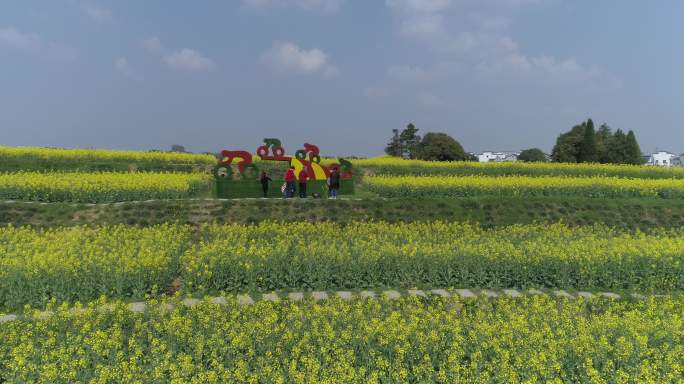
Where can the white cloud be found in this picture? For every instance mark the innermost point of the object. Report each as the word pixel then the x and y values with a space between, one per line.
pixel 521 2
pixel 153 45
pixel 291 57
pixel 331 71
pixel 94 11
pixel 188 59
pixel 479 45
pixel 374 92
pixel 97 13
pixel 419 6
pixel 15 39
pixel 121 64
pixel 473 32
pixel 185 59
pixel 420 18
pixel 407 73
pixel 436 73
pixel 430 100
pixel 545 69
pixel 32 43
pixel 323 5
pixel 423 25
pixel 490 22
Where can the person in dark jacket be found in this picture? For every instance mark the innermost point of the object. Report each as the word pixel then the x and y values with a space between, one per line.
pixel 334 183
pixel 303 177
pixel 264 180
pixel 290 182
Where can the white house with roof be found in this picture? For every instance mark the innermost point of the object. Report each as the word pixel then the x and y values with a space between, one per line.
pixel 678 161
pixel 486 157
pixel 662 159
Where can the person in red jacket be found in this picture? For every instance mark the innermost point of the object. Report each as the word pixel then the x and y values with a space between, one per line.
pixel 289 182
pixel 303 177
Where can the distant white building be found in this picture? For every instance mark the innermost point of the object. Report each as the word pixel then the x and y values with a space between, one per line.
pixel 678 161
pixel 662 159
pixel 486 157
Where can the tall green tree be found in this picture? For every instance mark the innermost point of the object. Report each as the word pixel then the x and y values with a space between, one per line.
pixel 618 147
pixel 177 148
pixel 393 148
pixel 632 149
pixel 440 147
pixel 405 143
pixel 587 150
pixel 410 141
pixel 603 137
pixel 532 155
pixel 582 144
pixel 567 145
pixel 471 157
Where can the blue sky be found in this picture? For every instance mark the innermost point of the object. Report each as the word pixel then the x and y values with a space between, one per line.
pixel 216 74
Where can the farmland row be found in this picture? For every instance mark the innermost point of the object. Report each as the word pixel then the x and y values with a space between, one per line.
pixel 100 187
pixel 113 186
pixel 470 186
pixel 645 214
pixel 532 339
pixel 13 159
pixel 81 263
pixel 399 167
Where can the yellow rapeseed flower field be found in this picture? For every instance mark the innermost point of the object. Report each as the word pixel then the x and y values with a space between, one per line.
pixel 410 340
pixel 400 167
pixel 270 256
pixel 99 186
pixel 466 186
pixel 82 263
pixel 14 159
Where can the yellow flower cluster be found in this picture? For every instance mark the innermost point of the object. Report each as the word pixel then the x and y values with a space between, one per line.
pixel 467 186
pixel 271 256
pixel 397 166
pixel 82 263
pixel 100 186
pixel 33 158
pixel 410 340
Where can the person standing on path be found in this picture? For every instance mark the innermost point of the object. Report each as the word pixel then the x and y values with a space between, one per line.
pixel 289 182
pixel 303 177
pixel 334 183
pixel 264 180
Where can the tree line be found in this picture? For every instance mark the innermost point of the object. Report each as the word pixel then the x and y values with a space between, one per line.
pixel 434 146
pixel 582 144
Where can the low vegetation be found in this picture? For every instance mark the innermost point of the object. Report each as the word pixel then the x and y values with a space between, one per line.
pixel 270 256
pixel 100 187
pixel 77 232
pixel 469 186
pixel 526 340
pixel 13 159
pixel 643 214
pixel 397 167
pixel 81 263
